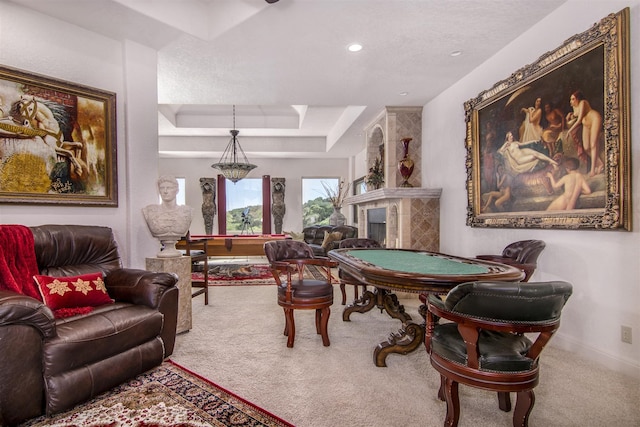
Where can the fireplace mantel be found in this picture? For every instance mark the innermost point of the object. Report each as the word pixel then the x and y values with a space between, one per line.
pixel 394 193
pixel 412 216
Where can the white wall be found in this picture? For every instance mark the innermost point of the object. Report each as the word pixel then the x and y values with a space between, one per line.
pixel 293 170
pixel 39 44
pixel 603 266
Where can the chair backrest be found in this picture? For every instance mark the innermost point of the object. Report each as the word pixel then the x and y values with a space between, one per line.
pixel 510 302
pixel 71 250
pixel 524 251
pixel 278 250
pixel 359 242
pixel 347 231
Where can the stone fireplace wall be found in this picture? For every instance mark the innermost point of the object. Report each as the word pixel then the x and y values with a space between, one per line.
pixel 413 214
pixel 384 135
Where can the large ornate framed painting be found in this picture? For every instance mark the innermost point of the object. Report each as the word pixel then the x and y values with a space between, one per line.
pixel 57 141
pixel 549 147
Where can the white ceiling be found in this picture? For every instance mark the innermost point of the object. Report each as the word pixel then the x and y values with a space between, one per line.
pixel 298 91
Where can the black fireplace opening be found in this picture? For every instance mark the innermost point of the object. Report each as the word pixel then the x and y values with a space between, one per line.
pixel 377 225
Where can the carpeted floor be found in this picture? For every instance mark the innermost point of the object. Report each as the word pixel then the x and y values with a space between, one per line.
pixel 167 396
pixel 237 342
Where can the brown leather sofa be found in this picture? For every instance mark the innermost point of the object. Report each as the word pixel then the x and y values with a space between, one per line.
pixel 314 237
pixel 47 364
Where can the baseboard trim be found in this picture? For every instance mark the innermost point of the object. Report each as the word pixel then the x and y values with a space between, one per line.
pixel 619 364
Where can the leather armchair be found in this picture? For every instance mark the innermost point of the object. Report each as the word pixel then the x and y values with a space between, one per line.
pixel 48 364
pixel 346 278
pixel 522 254
pixel 291 257
pixel 484 345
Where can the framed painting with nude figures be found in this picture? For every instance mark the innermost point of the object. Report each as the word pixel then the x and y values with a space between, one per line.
pixel 57 142
pixel 549 147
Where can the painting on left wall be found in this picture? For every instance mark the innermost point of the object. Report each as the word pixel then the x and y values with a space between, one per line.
pixel 57 141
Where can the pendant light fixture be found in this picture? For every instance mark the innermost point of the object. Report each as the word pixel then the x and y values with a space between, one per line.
pixel 234 164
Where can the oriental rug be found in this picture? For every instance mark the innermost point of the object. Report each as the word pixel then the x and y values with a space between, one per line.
pixel 238 275
pixel 166 396
pixel 250 275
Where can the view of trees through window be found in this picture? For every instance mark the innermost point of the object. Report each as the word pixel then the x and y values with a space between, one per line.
pixel 316 207
pixel 244 206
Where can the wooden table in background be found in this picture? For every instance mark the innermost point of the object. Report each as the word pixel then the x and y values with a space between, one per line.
pixel 234 245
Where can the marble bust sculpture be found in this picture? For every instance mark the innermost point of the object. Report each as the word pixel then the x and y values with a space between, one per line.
pixel 168 221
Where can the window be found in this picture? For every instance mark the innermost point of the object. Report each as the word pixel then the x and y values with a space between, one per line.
pixel 244 206
pixel 316 208
pixel 359 187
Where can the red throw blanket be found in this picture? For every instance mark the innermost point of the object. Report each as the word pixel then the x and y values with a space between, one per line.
pixel 18 260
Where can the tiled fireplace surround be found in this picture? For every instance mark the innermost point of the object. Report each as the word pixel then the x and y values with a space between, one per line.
pixel 412 213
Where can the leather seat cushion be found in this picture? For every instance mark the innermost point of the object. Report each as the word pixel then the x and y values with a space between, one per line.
pixel 307 288
pixel 83 340
pixel 499 351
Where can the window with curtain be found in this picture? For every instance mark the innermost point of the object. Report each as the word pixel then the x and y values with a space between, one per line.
pixel 244 207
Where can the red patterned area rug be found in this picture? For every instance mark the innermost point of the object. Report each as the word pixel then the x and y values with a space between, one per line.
pixel 238 275
pixel 249 275
pixel 167 396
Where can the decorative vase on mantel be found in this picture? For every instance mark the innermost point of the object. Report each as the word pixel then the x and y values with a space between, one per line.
pixel 337 218
pixel 405 166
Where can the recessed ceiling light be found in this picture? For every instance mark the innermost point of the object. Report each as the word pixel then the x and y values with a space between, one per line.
pixel 456 53
pixel 403 93
pixel 354 47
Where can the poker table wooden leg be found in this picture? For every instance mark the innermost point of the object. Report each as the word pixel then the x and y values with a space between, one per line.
pixel 381 298
pixel 404 341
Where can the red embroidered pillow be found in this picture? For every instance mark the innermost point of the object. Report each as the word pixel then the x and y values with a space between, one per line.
pixel 87 290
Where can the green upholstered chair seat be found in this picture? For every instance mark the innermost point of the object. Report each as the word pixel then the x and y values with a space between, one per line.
pixel 499 351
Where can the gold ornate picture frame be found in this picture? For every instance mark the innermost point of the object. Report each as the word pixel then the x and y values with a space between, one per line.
pixel 549 147
pixel 57 142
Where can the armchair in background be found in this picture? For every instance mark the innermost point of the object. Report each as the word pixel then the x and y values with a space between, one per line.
pixel 299 292
pixel 522 254
pixel 346 278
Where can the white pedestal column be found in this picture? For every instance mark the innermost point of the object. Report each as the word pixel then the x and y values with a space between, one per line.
pixel 182 267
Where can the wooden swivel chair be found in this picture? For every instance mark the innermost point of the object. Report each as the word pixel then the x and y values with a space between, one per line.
pixel 346 278
pixel 197 250
pixel 484 345
pixel 522 254
pixel 299 292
